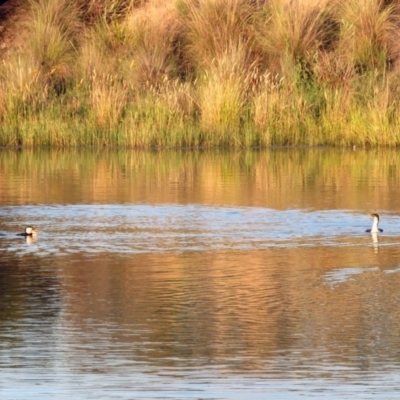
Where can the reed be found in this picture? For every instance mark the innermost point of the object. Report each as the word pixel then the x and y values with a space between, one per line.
pixel 211 28
pixel 51 42
pixel 369 33
pixel 293 32
pixel 230 73
pixel 222 91
pixel 107 101
pixel 153 33
pixel 163 117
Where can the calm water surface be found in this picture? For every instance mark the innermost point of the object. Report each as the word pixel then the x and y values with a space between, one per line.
pixel 200 275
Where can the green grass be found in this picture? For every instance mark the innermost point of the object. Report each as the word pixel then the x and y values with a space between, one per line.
pixel 230 73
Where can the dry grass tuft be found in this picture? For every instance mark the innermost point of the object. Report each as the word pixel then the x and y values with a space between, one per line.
pixel 51 43
pixel 92 11
pixel 212 27
pixel 153 32
pixel 222 93
pixel 369 32
pixel 296 30
pixel 107 100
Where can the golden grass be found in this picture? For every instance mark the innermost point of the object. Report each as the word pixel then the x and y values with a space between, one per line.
pixel 152 34
pixel 222 92
pixel 211 28
pixel 51 44
pixel 189 73
pixel 295 30
pixel 369 32
pixel 107 101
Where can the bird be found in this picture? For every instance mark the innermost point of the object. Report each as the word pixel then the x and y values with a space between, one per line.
pixel 375 222
pixel 29 231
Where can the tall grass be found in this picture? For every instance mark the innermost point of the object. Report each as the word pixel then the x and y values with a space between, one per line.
pixel 152 34
pixel 211 28
pixel 295 31
pixel 369 34
pixel 222 94
pixel 107 101
pixel 204 73
pixel 51 45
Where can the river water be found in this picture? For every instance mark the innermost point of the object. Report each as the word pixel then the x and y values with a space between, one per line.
pixel 199 274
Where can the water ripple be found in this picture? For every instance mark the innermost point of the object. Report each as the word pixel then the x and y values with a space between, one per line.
pixel 141 228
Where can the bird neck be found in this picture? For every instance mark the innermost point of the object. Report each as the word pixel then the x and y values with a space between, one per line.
pixel 374 228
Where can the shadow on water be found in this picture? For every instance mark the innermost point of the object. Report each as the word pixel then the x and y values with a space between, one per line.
pixel 199 274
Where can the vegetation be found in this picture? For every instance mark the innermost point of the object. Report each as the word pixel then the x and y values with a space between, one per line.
pixel 203 73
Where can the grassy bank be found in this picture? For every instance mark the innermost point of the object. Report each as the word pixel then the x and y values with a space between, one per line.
pixel 214 72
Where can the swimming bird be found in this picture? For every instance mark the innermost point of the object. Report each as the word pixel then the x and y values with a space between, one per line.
pixel 29 231
pixel 375 222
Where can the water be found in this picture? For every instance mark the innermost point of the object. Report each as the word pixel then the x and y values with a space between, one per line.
pixel 199 275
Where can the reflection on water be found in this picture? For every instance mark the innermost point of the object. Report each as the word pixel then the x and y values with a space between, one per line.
pixel 279 179
pixel 214 275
